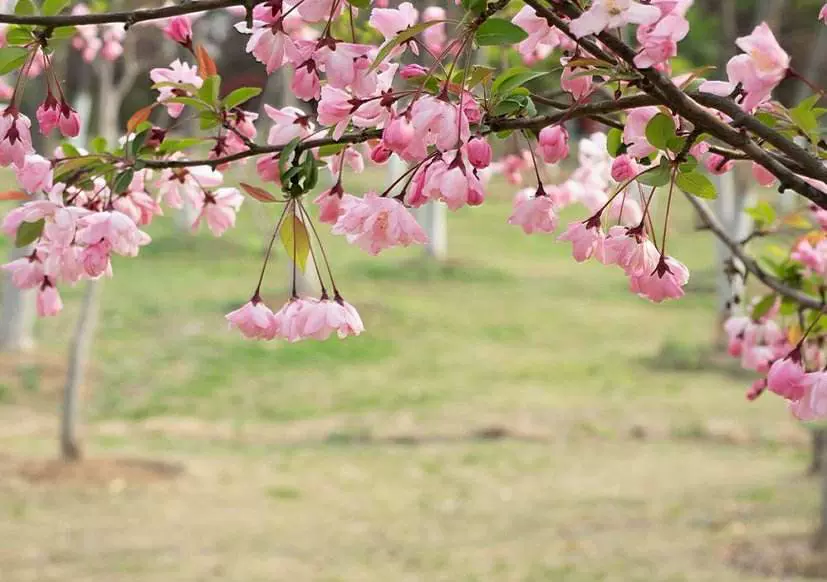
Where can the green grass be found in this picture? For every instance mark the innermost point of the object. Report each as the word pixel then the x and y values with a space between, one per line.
pixel 508 416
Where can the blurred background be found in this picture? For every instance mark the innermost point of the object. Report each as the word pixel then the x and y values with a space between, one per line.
pixel 509 414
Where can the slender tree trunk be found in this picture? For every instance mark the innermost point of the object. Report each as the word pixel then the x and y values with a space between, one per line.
pixel 820 538
pixel 70 449
pixel 818 440
pixel 17 312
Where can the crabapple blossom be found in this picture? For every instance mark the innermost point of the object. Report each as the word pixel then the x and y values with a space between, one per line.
pixel 554 144
pixel 374 223
pixel 254 320
pixel 533 212
pixel 603 14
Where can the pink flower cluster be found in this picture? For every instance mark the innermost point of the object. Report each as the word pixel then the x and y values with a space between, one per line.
pixel 298 319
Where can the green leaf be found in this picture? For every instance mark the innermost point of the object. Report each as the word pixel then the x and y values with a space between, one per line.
pixel 657 176
pixel 763 213
pixel 52 7
pixel 402 37
pixel 208 119
pixel 137 142
pixel 475 6
pixel 98 144
pixel 191 101
pixel 241 95
pixel 696 184
pixel 63 32
pixel 331 149
pixel 614 142
pixel 763 307
pixel 689 164
pixel 659 130
pixel 676 144
pixel 24 8
pixel 169 146
pixel 513 78
pixel 294 237
pixel 122 181
pixel 497 31
pixel 19 35
pixel 28 232
pixel 359 3
pixel 210 89
pixel 285 158
pixel 12 58
pixel 310 172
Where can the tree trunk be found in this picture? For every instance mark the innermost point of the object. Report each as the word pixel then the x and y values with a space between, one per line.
pixel 17 312
pixel 78 360
pixel 820 539
pixel 818 440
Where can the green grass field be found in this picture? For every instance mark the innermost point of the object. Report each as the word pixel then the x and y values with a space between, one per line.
pixel 509 416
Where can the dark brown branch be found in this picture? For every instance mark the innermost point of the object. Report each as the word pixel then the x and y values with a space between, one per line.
pixel 128 17
pixel 661 87
pixel 750 264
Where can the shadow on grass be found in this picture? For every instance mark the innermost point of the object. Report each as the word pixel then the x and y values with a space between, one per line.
pixel 675 356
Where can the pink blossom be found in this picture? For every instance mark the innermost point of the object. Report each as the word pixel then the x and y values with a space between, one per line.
pixel 398 134
pixel 219 208
pixel 812 405
pixel 333 203
pixel 288 124
pixel 786 377
pixel 15 137
pixel 542 39
pixel 35 175
pixel 575 83
pixel 306 84
pixel 335 108
pixel 179 29
pixel 254 320
pixel 434 36
pixel 762 175
pixel 586 239
pixel 660 40
pixel 291 318
pixel 325 317
pixel 380 153
pixel 603 14
pixel 812 257
pixel 479 152
pixel 48 114
pixel 114 227
pixel 48 300
pixel 718 164
pixel 26 272
pixel 666 282
pixel 180 73
pixel 435 122
pixel 534 213
pixel 554 144
pixel 412 71
pixel 69 121
pixel 624 168
pixel 390 22
pixel 267 168
pixel 178 184
pixel 375 223
pixel 634 134
pixel 95 259
pixel 822 14
pixel 625 211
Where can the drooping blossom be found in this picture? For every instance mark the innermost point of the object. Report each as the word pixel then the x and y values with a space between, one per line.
pixel 254 320
pixel 218 208
pixel 479 152
pixel 665 282
pixel 554 144
pixel 533 212
pixel 374 223
pixel 35 175
pixel 179 29
pixel 786 377
pixel 15 137
pixel 586 239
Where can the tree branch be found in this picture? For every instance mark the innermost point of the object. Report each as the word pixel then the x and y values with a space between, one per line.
pixel 661 87
pixel 127 17
pixel 750 264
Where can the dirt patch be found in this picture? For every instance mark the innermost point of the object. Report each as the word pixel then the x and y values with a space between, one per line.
pixel 780 557
pixel 98 472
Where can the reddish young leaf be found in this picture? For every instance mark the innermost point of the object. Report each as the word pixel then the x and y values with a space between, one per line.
pixel 14 195
pixel 139 117
pixel 258 193
pixel 206 66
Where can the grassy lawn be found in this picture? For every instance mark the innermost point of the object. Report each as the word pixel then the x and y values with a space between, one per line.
pixel 510 416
